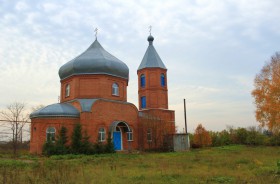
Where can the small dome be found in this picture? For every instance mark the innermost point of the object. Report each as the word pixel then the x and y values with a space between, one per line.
pixel 56 110
pixel 95 60
pixel 150 38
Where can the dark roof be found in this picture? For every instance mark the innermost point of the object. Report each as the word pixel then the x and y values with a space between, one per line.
pixel 95 60
pixel 56 110
pixel 151 58
pixel 87 103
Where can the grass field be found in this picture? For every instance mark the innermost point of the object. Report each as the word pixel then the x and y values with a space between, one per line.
pixel 229 164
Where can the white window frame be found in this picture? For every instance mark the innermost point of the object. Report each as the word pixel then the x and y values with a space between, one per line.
pixel 130 135
pixel 101 134
pixel 50 132
pixel 67 90
pixel 115 89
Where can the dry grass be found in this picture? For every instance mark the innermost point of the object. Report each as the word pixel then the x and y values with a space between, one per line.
pixel 230 164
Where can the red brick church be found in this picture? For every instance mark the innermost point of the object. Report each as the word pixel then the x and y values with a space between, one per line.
pixel 94 94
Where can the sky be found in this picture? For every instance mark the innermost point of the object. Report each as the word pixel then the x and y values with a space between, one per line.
pixel 213 49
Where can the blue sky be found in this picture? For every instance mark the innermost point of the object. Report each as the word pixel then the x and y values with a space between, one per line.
pixel 212 49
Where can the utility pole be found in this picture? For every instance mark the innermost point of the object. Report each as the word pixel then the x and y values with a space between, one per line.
pixel 185 116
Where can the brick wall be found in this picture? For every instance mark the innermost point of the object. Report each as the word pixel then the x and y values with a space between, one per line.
pixel 156 95
pixel 93 86
pixel 39 127
pixel 160 122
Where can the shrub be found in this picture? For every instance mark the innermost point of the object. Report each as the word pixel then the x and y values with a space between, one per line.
pixel 99 148
pixel 80 144
pixel 49 148
pixel 86 146
pixel 241 136
pixel 254 137
pixel 215 138
pixel 109 147
pixel 76 143
pixel 221 138
pixel 225 138
pixel 274 140
pixel 59 146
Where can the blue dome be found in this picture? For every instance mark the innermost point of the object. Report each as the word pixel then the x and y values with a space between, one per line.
pixel 95 60
pixel 56 110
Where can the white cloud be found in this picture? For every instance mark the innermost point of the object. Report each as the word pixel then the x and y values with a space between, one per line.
pixel 51 7
pixel 21 6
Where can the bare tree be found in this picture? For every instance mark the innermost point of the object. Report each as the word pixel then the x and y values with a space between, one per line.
pixel 15 118
pixel 37 107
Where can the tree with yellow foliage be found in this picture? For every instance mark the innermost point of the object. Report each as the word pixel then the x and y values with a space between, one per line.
pixel 201 137
pixel 267 94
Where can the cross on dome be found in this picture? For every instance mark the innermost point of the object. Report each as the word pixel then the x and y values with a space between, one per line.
pixel 96 31
pixel 150 29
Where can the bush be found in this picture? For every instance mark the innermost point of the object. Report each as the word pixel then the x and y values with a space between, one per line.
pixel 274 140
pixel 59 146
pixel 80 144
pixel 61 142
pixel 109 147
pixel 99 148
pixel 76 143
pixel 241 136
pixel 220 138
pixel 215 138
pixel 254 137
pixel 49 148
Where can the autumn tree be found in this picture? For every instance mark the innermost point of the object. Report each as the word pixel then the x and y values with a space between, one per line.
pixel 267 94
pixel 201 137
pixel 15 118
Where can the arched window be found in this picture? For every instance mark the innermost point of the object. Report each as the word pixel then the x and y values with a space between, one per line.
pixel 149 134
pixel 67 90
pixel 101 135
pixel 143 102
pixel 50 134
pixel 162 79
pixel 143 80
pixel 115 89
pixel 130 135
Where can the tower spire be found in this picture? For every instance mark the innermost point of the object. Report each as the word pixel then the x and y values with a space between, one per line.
pixel 152 87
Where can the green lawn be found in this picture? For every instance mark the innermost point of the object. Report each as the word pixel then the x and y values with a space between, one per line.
pixel 229 164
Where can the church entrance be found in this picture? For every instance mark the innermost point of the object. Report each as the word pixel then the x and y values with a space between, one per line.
pixel 117 139
pixel 118 131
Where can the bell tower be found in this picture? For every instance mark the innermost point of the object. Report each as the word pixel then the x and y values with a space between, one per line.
pixel 152 80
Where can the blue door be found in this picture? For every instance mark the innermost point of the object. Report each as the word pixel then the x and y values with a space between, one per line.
pixel 117 140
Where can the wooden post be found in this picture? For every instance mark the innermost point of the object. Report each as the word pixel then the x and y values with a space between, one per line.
pixel 185 116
